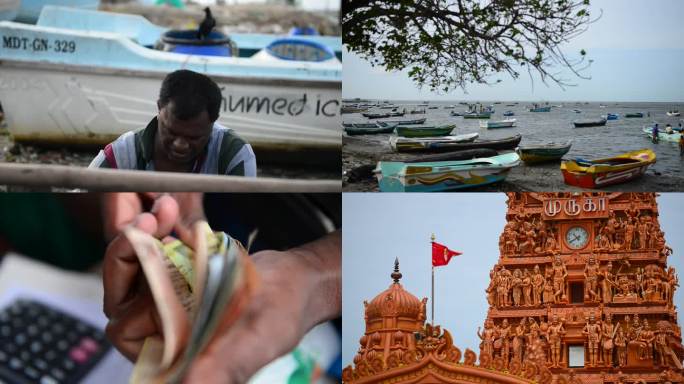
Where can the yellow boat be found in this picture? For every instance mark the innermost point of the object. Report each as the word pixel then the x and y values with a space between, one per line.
pixel 603 172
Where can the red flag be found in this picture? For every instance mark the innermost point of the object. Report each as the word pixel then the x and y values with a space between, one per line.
pixel 441 254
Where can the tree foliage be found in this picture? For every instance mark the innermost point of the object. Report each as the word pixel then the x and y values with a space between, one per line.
pixel 448 44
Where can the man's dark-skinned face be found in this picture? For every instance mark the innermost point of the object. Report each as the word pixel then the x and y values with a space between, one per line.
pixel 182 140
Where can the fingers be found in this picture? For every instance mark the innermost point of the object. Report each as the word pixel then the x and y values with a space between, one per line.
pixel 129 331
pixel 121 266
pixel 119 210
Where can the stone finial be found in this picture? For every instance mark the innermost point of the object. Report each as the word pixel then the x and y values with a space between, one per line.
pixel 396 275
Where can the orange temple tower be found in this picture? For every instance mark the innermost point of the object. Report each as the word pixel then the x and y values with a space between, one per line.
pixel 582 283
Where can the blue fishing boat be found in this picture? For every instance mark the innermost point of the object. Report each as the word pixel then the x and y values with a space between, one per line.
pixel 610 116
pixel 540 109
pixel 443 175
pixel 509 113
pixel 86 77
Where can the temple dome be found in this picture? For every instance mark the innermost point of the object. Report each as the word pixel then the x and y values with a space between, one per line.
pixel 395 302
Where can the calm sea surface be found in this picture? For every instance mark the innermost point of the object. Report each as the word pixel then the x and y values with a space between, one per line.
pixel 618 136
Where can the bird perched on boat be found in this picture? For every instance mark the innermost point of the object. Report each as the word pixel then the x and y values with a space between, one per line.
pixel 207 24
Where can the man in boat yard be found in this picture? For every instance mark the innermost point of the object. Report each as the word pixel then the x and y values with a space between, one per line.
pixel 184 136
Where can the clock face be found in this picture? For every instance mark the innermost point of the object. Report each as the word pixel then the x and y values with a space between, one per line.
pixel 576 237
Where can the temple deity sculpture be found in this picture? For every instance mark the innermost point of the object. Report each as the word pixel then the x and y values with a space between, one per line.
pixel 503 335
pixel 608 330
pixel 487 337
pixel 516 287
pixel 548 296
pixel 554 336
pixel 645 340
pixel 527 287
pixel 537 286
pixel 670 283
pixel 620 342
pixel 642 230
pixel 519 341
pixel 560 273
pixel 607 283
pixel 593 333
pixel 591 272
pixel 663 346
pixel 612 226
pixel 629 228
pixel 502 287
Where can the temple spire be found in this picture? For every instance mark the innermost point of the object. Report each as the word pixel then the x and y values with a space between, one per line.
pixel 396 275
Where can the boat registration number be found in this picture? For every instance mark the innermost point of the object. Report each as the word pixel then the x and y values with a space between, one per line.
pixel 38 44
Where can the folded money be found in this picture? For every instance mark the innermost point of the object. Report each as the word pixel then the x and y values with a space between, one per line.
pixel 199 290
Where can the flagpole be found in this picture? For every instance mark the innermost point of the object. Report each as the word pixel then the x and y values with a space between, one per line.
pixel 433 283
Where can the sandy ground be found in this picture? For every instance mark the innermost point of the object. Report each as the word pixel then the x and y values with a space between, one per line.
pixel 359 157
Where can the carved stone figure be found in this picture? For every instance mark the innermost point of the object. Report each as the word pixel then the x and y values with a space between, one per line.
pixel 519 341
pixel 527 287
pixel 503 335
pixel 548 292
pixel 629 234
pixel 608 334
pixel 591 271
pixel 516 287
pixel 642 230
pixel 537 286
pixel 645 340
pixel 560 273
pixel 593 333
pixel 621 346
pixel 607 283
pixel 554 336
pixel 487 337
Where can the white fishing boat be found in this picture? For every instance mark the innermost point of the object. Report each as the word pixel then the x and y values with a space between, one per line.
pixel 86 77
pixel 508 123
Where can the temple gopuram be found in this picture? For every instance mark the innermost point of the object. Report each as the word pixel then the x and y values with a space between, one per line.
pixel 584 277
pixel 581 293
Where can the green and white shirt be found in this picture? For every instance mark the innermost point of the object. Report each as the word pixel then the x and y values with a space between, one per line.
pixel 226 153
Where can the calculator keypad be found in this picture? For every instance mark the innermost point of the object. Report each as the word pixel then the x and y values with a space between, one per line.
pixel 39 344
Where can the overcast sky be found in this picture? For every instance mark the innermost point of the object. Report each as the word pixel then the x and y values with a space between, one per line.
pixel 379 227
pixel 636 47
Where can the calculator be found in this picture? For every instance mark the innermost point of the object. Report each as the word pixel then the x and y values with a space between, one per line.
pixel 41 344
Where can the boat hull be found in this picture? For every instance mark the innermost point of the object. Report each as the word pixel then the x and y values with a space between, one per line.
pixel 542 109
pixel 424 132
pixel 449 146
pixel 662 136
pixel 605 172
pixel 443 176
pixel 477 116
pixel 541 155
pixel 586 124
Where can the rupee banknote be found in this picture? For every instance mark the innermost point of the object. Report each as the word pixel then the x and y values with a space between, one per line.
pixel 199 291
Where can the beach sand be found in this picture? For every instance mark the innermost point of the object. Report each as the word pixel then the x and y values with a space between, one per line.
pixel 357 152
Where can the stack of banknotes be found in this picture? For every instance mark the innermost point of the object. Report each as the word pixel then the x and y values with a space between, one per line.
pixel 199 291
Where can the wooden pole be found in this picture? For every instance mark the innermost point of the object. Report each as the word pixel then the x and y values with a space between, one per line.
pixel 62 176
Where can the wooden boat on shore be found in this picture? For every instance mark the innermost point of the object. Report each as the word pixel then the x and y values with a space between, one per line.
pixel 403 122
pixel 509 123
pixel 634 115
pixel 425 131
pixel 589 123
pixel 364 129
pixel 437 144
pixel 541 153
pixel 662 135
pixel 408 144
pixel 376 115
pixel 84 77
pixel 608 171
pixel 475 115
pixel 443 175
pixel 466 154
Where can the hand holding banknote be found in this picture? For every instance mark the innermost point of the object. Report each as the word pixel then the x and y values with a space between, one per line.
pixel 298 289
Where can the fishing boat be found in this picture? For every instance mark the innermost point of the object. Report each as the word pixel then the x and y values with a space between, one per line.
pixel 439 144
pixel 609 171
pixel 510 105
pixel 454 113
pixel 352 109
pixel 673 113
pixel 86 77
pixel 361 125
pixel 634 115
pixel 466 154
pixel 402 122
pixel 540 109
pixel 602 106
pixel 443 175
pixel 509 123
pixel 417 111
pixel 405 144
pixel 422 131
pixel 397 114
pixel 577 111
pixel 376 115
pixel 475 115
pixel 433 107
pixel 541 153
pixel 662 135
pixel 363 129
pixel 509 113
pixel 589 123
pixel 610 116
pixel 449 106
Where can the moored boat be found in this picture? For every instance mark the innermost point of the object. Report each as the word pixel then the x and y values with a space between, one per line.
pixel 100 78
pixel 417 111
pixel 602 172
pixel 402 122
pixel 406 144
pixel 540 109
pixel 662 135
pixel 454 113
pixel 509 123
pixel 475 115
pixel 577 111
pixel 509 113
pixel 589 123
pixel 541 153
pixel 634 115
pixel 352 109
pixel 444 175
pixel 610 116
pixel 363 129
pixel 438 144
pixel 673 113
pixel 425 131
pixel 375 115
